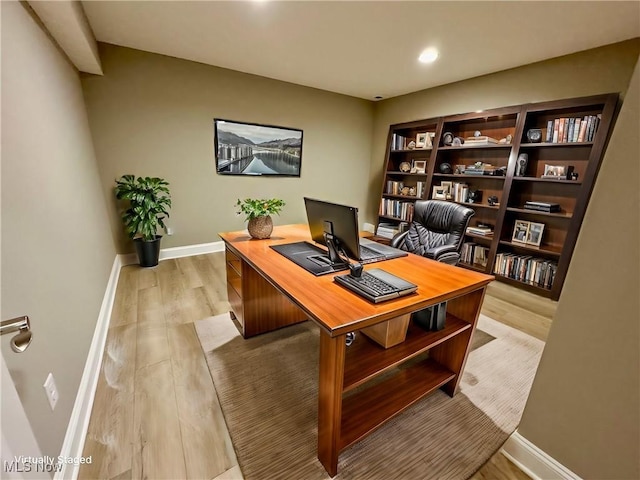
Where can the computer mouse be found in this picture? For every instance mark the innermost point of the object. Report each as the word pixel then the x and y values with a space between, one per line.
pixel 355 269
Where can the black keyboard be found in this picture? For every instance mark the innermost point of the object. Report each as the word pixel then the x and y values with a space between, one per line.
pixel 368 255
pixel 368 286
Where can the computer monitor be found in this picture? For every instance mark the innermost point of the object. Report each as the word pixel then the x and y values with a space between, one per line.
pixel 335 226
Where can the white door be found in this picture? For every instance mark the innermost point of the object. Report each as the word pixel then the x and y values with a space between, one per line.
pixel 17 437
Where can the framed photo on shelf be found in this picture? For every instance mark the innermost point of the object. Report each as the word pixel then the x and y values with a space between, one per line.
pixel 554 171
pixel 421 140
pixel 534 235
pixel 420 166
pixel 439 193
pixel 520 231
pixel 428 141
pixel 448 186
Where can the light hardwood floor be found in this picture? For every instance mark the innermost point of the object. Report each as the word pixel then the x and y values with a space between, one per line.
pixel 156 413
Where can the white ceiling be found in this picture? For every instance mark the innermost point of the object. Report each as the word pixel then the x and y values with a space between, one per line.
pixel 363 48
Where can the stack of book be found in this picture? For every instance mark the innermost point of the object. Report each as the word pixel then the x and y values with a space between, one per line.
pixel 397 209
pixel 459 192
pixel 387 230
pixel 480 230
pixel 474 254
pixel 480 140
pixel 570 130
pixel 483 169
pixel 542 206
pixel 390 230
pixel 526 269
pixel 399 142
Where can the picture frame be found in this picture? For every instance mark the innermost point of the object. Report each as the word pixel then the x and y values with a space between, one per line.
pixel 439 193
pixel 554 171
pixel 252 149
pixel 520 231
pixel 429 139
pixel 534 234
pixel 448 186
pixel 420 166
pixel 421 139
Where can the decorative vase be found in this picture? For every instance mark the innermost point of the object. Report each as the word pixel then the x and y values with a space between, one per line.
pixel 148 251
pixel 260 227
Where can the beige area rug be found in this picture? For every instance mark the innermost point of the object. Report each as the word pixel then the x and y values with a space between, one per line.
pixel 267 386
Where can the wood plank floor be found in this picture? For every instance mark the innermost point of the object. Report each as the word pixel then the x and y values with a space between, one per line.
pixel 156 413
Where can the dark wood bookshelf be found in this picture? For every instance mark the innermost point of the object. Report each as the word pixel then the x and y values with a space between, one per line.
pixel 561 228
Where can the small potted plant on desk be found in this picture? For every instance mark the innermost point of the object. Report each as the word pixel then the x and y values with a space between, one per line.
pixel 149 201
pixel 258 213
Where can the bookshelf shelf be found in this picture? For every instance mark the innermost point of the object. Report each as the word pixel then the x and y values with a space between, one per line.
pixel 407 174
pixel 547 180
pixel 488 238
pixel 555 145
pixel 472 146
pixel 594 115
pixel 553 250
pixel 565 215
pixel 412 150
pixel 525 285
pixel 401 197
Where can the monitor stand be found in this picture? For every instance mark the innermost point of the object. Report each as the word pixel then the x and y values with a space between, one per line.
pixel 334 252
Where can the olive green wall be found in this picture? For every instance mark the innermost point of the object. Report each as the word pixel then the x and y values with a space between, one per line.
pixel 57 248
pixel 152 115
pixel 584 407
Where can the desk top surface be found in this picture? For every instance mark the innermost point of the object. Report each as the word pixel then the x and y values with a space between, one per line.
pixel 337 309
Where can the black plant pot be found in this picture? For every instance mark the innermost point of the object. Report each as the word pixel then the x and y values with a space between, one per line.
pixel 148 251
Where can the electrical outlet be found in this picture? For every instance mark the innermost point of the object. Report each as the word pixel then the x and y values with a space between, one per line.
pixel 169 230
pixel 51 391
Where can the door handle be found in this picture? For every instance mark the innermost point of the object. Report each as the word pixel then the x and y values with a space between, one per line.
pixel 22 325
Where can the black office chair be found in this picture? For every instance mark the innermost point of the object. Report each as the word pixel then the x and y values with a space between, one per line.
pixel 437 230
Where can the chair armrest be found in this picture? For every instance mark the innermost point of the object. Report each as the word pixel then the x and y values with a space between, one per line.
pixel 450 258
pixel 438 252
pixel 398 240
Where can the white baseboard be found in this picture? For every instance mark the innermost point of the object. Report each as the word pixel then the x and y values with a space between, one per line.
pixel 533 461
pixel 74 439
pixel 177 252
pixel 79 422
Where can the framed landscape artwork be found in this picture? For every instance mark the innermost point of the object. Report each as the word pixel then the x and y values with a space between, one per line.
pixel 252 149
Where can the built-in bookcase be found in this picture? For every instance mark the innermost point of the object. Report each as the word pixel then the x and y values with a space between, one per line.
pixel 497 157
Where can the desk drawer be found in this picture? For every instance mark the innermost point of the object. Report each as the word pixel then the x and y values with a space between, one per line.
pixel 236 305
pixel 233 262
pixel 234 280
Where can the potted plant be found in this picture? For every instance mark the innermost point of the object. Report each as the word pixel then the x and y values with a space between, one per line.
pixel 258 213
pixel 148 203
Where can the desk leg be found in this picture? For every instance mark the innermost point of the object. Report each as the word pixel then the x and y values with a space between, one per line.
pixel 331 373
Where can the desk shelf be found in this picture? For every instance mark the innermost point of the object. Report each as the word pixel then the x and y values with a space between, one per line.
pixel 365 359
pixel 367 410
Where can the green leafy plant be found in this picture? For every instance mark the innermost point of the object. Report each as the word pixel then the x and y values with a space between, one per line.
pixel 149 203
pixel 253 208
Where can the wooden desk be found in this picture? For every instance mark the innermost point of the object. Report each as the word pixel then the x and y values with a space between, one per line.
pixel 267 291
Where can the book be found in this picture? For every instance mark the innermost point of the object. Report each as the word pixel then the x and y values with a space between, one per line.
pixel 569 132
pixel 482 139
pixel 542 206
pixel 556 130
pixel 583 129
pixel 549 138
pixel 576 129
pixel 561 122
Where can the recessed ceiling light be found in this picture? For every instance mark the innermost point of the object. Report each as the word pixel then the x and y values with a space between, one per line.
pixel 429 55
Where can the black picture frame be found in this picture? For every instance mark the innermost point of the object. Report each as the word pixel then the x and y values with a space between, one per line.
pixel 252 149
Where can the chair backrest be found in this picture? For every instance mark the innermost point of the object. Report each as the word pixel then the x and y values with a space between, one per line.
pixel 437 223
